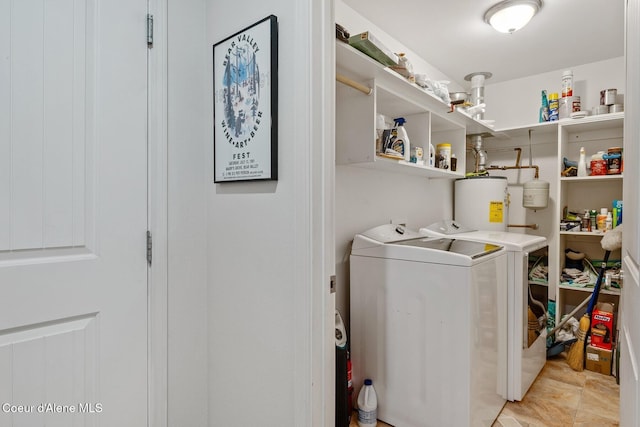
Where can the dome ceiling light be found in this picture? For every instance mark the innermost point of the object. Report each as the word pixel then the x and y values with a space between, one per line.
pixel 511 15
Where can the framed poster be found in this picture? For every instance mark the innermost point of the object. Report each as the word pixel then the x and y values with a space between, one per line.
pixel 245 104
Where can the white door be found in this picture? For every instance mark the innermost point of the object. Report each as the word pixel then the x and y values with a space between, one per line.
pixel 73 213
pixel 629 329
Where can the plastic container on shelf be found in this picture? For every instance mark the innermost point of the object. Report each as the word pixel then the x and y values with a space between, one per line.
pixel 567 83
pixel 609 222
pixel 554 107
pixel 443 156
pixel 598 164
pixel 582 163
pixel 367 405
pixel 601 219
pixel 401 135
pixel 614 160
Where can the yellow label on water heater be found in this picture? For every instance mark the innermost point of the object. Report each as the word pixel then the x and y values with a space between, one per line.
pixel 495 211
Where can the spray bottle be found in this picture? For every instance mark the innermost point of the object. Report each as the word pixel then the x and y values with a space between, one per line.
pixel 582 163
pixel 402 139
pixel 544 108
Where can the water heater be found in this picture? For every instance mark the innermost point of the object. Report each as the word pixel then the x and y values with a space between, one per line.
pixel 482 202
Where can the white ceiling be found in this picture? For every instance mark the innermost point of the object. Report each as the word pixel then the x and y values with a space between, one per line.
pixel 452 36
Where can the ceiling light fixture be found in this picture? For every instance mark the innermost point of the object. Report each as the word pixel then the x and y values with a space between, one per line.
pixel 511 15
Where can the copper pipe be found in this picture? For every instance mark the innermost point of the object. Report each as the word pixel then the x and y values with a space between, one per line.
pixel 517 165
pixel 351 83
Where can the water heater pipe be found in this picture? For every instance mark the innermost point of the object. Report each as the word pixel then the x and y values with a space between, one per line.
pixel 517 165
pixel 477 97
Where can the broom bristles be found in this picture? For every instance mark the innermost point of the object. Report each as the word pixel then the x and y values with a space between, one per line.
pixel 575 357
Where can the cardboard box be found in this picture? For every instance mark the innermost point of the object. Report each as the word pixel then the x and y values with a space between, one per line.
pixel 598 360
pixel 602 326
pixel 371 46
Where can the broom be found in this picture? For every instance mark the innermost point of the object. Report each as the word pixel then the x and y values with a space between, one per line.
pixel 611 241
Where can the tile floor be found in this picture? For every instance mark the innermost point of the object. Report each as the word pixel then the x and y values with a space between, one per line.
pixel 560 397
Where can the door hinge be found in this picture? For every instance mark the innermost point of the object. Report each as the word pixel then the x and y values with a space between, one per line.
pixel 332 284
pixel 149 247
pixel 149 30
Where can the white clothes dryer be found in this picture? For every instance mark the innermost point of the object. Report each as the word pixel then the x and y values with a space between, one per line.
pixel 428 326
pixel 526 355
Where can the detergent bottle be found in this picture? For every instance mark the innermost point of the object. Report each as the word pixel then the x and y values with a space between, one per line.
pixel 402 139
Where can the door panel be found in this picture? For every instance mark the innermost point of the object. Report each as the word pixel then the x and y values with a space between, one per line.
pixel 73 212
pixel 44 89
pixel 52 363
pixel 630 298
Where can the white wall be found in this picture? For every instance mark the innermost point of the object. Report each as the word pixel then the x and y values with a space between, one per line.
pixel 517 102
pixel 262 292
pixel 356 24
pixel 187 221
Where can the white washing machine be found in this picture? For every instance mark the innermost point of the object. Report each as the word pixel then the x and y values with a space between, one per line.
pixel 428 326
pixel 526 355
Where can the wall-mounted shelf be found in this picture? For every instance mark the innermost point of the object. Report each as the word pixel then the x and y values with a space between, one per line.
pixel 590 290
pixel 401 166
pixel 539 130
pixel 359 67
pixel 594 133
pixel 429 120
pixel 582 233
pixel 592 178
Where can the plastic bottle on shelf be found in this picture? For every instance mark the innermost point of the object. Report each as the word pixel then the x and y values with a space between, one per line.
pixel 609 222
pixel 401 134
pixel 567 83
pixel 586 221
pixel 601 219
pixel 367 405
pixel 582 163
pixel 544 108
pixel 593 217
pixel 554 106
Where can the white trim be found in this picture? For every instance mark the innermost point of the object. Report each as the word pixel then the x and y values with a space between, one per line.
pixel 304 374
pixel 321 165
pixel 157 218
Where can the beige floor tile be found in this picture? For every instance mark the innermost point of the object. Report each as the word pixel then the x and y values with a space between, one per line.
pixel 561 397
pixel 555 391
pixel 508 421
pixel 540 412
pixel 587 419
pixel 558 369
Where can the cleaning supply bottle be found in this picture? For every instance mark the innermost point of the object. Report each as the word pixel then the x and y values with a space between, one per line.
pixel 582 163
pixel 601 219
pixel 593 218
pixel 401 136
pixel 544 108
pixel 554 107
pixel 367 405
pixel 609 222
pixel 586 221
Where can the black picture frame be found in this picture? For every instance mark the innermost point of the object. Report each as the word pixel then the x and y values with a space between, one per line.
pixel 245 104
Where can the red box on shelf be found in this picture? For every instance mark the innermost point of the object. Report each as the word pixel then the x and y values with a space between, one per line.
pixel 602 326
